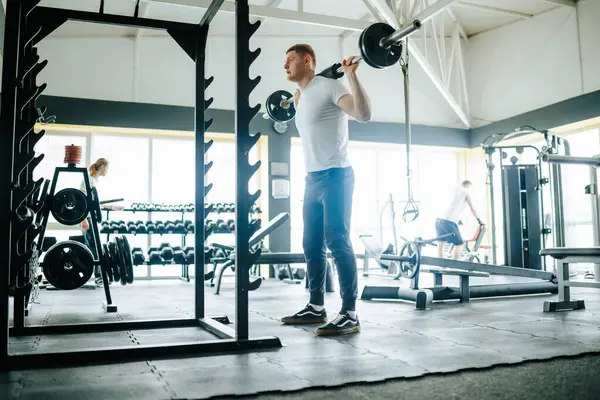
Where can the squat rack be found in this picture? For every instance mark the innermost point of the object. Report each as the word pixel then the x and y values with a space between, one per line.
pixel 27 25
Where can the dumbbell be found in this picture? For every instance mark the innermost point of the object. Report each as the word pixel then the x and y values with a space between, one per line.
pixel 179 227
pixel 231 225
pixel 154 256
pixel 160 227
pixel 220 225
pixel 151 227
pixel 138 256
pixel 104 226
pixel 167 253
pixel 189 227
pixel 169 227
pixel 179 256
pixel 131 227
pixel 190 255
pixel 141 228
pixel 220 207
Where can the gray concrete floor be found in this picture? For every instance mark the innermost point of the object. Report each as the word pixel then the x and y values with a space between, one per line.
pixel 397 341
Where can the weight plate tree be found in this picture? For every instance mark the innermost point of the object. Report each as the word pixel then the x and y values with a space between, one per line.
pixel 68 265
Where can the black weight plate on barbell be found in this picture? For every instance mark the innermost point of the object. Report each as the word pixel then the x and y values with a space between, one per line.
pixel 121 258
pixel 69 206
pixel 114 261
pixel 128 259
pixel 375 55
pixel 274 109
pixel 410 268
pixel 106 264
pixel 68 265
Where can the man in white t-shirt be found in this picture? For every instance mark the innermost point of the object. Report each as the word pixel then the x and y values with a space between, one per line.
pixel 447 222
pixel 322 109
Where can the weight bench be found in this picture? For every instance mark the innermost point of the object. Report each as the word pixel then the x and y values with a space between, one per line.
pixel 565 256
pixel 423 297
pixel 254 243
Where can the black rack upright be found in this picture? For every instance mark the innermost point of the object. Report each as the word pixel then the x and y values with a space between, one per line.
pixel 26 25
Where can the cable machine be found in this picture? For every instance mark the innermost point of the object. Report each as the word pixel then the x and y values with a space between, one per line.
pixel 526 223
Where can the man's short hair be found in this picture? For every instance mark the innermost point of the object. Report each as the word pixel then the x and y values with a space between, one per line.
pixel 304 50
pixel 466 184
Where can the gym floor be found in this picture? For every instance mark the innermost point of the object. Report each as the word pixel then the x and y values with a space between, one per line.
pixel 425 348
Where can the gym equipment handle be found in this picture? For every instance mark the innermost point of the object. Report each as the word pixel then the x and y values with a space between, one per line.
pixel 558 159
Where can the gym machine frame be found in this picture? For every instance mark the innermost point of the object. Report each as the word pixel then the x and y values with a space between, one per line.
pixel 573 255
pixel 27 25
pixel 553 144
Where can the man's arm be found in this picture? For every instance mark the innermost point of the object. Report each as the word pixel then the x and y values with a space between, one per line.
pixel 470 203
pixel 357 105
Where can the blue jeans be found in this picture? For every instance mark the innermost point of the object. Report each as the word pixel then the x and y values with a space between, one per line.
pixel 327 212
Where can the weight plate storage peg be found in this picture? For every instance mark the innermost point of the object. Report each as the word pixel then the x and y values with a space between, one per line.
pixel 68 265
pixel 278 111
pixel 410 267
pixel 69 206
pixel 375 55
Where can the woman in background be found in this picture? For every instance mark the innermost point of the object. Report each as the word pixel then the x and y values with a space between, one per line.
pixel 95 171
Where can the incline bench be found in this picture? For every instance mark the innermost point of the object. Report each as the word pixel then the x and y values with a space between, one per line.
pixel 565 256
pixel 265 258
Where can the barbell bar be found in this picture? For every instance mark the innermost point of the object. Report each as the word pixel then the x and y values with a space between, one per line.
pixel 380 47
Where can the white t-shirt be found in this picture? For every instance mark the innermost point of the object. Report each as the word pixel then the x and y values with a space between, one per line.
pixel 322 125
pixel 456 206
pixel 93 183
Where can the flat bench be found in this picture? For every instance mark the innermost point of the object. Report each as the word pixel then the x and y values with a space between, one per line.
pixel 565 256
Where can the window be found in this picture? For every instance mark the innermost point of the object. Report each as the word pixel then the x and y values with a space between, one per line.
pixel 127 177
pixel 577 204
pixel 173 171
pixel 380 170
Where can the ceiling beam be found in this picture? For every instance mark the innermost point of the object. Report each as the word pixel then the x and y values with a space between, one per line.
pixel 566 3
pixel 281 14
pixel 347 33
pixel 496 10
pixel 462 31
pixel 386 15
pixel 271 3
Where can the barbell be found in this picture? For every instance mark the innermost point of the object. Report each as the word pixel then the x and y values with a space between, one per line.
pixel 380 47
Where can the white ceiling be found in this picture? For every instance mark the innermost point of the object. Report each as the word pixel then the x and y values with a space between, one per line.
pixel 473 16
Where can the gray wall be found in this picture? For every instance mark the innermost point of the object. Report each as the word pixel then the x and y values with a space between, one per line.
pixel 91 112
pixel 565 112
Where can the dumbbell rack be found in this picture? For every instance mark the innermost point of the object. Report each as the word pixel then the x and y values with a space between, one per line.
pixel 185 275
pixel 184 267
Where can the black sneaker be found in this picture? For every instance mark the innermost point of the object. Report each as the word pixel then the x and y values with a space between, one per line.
pixel 343 324
pixel 308 315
